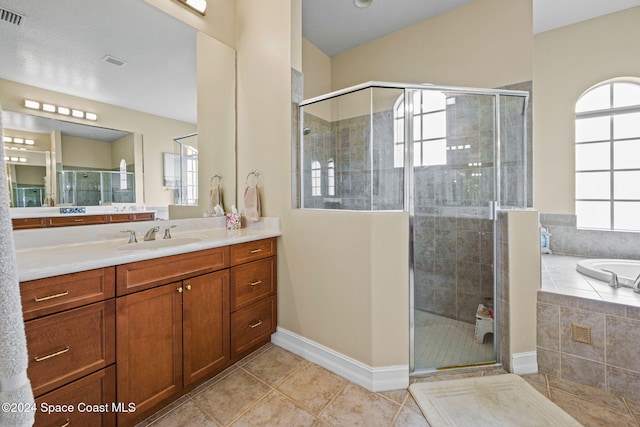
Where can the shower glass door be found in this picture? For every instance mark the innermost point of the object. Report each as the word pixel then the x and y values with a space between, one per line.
pixel 453 186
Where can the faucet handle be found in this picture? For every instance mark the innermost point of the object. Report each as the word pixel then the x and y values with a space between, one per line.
pixel 132 236
pixel 613 282
pixel 636 285
pixel 167 232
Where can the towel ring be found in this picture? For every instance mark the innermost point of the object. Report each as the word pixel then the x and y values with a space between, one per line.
pixel 255 174
pixel 214 177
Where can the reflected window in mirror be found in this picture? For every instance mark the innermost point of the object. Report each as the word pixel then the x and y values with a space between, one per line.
pixel 607 156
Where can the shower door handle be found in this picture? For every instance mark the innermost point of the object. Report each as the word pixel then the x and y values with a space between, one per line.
pixel 493 210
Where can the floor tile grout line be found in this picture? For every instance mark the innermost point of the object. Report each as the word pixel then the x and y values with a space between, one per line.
pixel 342 389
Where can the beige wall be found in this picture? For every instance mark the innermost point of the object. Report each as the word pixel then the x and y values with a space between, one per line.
pixel 157 131
pixel 567 62
pixel 486 43
pixel 86 153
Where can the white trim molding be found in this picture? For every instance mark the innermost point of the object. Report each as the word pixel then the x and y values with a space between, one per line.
pixel 524 363
pixel 373 379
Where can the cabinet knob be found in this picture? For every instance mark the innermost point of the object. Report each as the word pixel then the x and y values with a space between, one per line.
pixel 180 289
pixel 188 287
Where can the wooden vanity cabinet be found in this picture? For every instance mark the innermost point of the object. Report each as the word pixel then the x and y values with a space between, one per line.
pixel 70 331
pixel 73 220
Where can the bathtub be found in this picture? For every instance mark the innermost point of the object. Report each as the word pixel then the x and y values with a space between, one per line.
pixel 627 270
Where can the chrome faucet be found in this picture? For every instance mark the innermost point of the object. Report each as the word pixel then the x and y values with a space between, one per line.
pixel 636 285
pixel 151 233
pixel 132 236
pixel 167 232
pixel 613 282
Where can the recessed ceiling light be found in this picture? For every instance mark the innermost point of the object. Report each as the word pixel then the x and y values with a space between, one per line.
pixel 362 3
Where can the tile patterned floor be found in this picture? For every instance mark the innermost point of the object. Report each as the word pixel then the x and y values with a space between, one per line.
pixel 444 342
pixel 273 387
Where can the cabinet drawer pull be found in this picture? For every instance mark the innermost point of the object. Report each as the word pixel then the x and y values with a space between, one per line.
pixel 61 294
pixel 255 325
pixel 255 251
pixel 67 423
pixel 49 356
pixel 188 287
pixel 79 220
pixel 255 283
pixel 179 289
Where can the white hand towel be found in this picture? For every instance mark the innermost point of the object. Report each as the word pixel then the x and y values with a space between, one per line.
pixel 14 384
pixel 252 203
pixel 214 197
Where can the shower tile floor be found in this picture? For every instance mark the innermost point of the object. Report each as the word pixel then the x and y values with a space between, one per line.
pixel 273 387
pixel 442 342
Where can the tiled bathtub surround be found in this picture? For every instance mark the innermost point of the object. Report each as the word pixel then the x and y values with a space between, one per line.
pixel 611 362
pixel 566 239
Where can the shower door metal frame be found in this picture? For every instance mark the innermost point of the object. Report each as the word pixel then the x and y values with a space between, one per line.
pixel 494 205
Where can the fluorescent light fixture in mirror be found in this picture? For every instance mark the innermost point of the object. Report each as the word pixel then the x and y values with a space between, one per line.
pixel 199 6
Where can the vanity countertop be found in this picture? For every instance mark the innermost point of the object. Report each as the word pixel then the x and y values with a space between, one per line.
pixel 44 253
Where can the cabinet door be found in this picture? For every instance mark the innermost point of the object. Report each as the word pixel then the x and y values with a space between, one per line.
pixel 91 398
pixel 206 325
pixel 149 347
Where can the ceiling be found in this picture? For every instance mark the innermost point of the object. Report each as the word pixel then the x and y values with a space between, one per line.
pixel 335 26
pixel 61 44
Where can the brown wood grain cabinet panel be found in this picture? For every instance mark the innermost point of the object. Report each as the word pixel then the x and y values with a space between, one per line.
pixel 52 294
pixel 96 392
pixel 149 347
pixel 252 281
pixel 142 275
pixel 206 348
pixel 131 217
pixel 251 251
pixel 69 345
pixel 23 223
pixel 252 325
pixel 67 221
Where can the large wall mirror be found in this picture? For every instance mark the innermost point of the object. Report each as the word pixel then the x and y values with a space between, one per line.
pixel 140 70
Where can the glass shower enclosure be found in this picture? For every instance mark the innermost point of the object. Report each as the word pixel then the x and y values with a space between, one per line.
pixel 451 158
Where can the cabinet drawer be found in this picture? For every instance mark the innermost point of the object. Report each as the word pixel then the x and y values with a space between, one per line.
pixel 22 223
pixel 137 276
pixel 65 221
pixel 91 398
pixel 53 294
pixel 131 217
pixel 251 251
pixel 252 325
pixel 66 346
pixel 252 281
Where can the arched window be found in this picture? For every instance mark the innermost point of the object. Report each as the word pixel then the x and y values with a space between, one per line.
pixel 608 157
pixel 429 129
pixel 316 181
pixel 123 174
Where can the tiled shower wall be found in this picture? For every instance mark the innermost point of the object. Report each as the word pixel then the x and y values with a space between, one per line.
pixel 453 240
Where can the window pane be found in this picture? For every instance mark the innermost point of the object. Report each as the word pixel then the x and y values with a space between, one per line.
pixel 434 125
pixel 627 215
pixel 398 158
pixel 626 125
pixel 435 152
pixel 593 215
pixel 626 154
pixel 417 154
pixel 592 129
pixel 596 99
pixel 625 185
pixel 626 94
pixel 432 101
pixel 595 156
pixel 399 130
pixel 593 185
pixel 416 128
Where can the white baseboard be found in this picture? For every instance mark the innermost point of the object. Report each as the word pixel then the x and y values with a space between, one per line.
pixel 524 363
pixel 373 379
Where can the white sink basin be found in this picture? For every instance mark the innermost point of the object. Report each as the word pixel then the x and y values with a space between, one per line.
pixel 158 244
